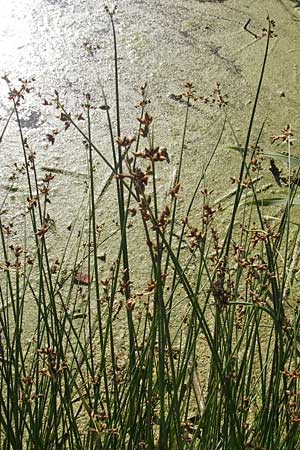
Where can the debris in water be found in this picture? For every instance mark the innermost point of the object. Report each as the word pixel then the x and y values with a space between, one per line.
pixel 82 278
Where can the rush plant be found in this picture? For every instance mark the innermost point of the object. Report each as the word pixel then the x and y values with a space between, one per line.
pixel 208 357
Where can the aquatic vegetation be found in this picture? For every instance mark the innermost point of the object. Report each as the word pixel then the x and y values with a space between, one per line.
pixel 196 348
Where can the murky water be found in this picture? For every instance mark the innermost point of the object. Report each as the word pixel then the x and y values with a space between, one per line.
pixel 164 43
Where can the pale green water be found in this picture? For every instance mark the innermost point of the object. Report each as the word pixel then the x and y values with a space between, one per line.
pixel 164 43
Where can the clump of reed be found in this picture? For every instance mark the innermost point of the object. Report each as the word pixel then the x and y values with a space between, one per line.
pixel 209 355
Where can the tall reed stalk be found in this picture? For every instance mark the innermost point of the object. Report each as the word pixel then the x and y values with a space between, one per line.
pixel 209 356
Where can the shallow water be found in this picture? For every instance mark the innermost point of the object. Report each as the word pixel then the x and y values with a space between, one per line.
pixel 164 43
